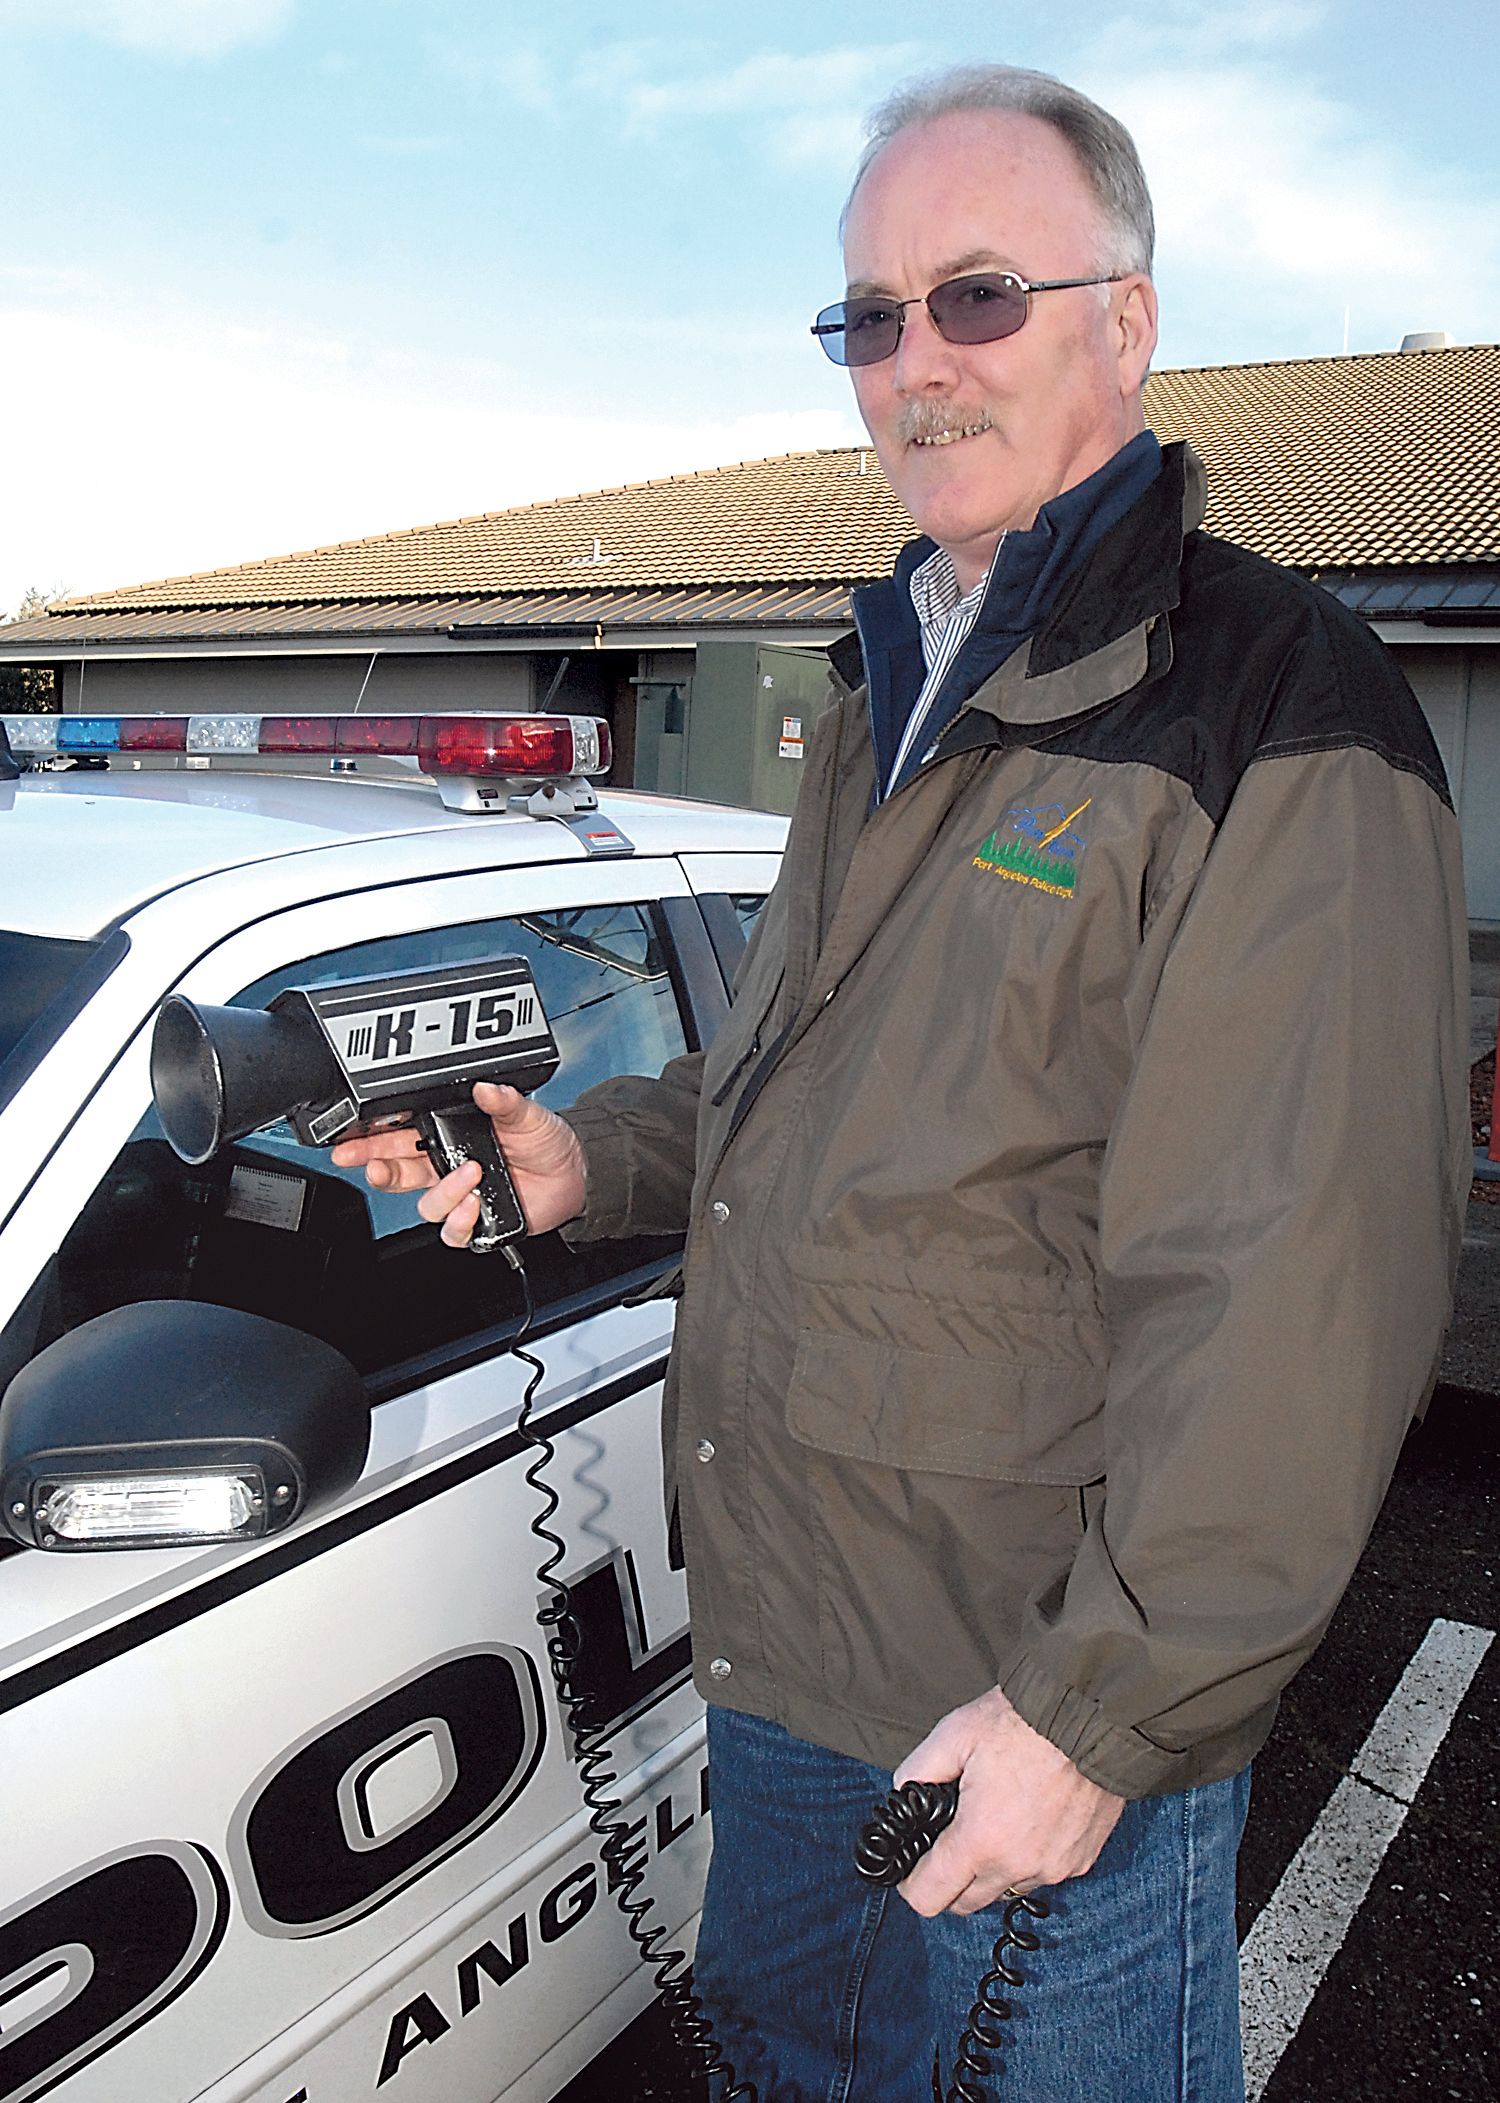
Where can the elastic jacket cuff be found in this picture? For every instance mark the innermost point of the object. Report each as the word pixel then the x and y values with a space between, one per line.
pixel 1126 1762
pixel 607 1201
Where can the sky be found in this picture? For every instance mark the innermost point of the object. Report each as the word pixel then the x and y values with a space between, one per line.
pixel 281 272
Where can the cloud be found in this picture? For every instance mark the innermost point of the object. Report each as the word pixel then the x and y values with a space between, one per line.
pixel 809 107
pixel 1190 31
pixel 175 28
pixel 524 76
pixel 806 108
pixel 116 405
pixel 1278 204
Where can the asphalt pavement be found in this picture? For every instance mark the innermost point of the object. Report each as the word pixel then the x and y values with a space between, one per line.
pixel 1370 1965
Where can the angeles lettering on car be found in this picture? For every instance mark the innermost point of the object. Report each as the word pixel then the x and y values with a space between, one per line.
pixel 422 2020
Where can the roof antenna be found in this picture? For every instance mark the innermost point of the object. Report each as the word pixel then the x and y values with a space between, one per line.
pixel 557 680
pixel 369 668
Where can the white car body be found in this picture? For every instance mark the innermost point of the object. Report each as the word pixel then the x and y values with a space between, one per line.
pixel 182 1914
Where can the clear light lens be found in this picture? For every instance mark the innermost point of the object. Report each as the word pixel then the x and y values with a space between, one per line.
pixel 31 733
pixel 587 756
pixel 223 734
pixel 155 1507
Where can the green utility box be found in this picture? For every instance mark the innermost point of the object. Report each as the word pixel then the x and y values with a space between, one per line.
pixel 738 730
pixel 791 692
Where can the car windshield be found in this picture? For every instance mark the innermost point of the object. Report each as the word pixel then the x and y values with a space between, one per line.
pixel 35 970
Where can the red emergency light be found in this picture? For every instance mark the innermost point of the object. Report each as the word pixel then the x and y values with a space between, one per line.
pixel 543 747
pixel 153 734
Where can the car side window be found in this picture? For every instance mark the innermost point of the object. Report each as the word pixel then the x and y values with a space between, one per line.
pixel 730 918
pixel 274 1228
pixel 747 910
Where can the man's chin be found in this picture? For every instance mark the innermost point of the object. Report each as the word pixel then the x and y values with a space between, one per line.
pixel 952 512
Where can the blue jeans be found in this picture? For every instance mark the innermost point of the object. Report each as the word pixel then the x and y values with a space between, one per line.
pixel 824 1989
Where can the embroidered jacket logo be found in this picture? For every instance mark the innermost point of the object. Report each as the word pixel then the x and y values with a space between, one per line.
pixel 1037 847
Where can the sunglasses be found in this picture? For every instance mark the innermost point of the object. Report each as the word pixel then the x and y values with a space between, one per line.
pixel 981 309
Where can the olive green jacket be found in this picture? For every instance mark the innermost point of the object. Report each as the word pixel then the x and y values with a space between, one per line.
pixel 1074 1192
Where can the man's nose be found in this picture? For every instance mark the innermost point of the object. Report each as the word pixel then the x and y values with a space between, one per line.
pixel 924 360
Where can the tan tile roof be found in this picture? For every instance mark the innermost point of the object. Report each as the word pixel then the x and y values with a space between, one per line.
pixel 802 518
pixel 1392 458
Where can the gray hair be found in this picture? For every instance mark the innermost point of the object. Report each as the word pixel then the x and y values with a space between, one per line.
pixel 1103 148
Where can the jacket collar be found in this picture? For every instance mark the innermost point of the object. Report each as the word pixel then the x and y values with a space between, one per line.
pixel 1106 631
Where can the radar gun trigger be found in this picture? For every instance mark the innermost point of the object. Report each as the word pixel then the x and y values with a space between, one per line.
pixel 344 1060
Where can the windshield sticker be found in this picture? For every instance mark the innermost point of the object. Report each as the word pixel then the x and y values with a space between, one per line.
pixel 1037 847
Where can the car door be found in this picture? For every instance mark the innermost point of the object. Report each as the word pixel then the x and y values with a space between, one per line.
pixel 334 1763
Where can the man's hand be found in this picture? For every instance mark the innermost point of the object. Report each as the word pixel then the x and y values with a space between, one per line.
pixel 542 1153
pixel 1026 1816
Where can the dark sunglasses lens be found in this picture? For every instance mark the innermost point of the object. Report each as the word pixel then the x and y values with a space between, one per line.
pixel 977 309
pixel 859 331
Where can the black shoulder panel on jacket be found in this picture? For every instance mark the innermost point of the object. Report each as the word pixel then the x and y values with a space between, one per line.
pixel 1131 575
pixel 1264 664
pixel 848 660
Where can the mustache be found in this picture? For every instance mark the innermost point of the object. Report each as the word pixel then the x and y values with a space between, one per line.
pixel 927 419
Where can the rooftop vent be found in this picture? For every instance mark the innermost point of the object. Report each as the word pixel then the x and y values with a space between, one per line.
pixel 1429 339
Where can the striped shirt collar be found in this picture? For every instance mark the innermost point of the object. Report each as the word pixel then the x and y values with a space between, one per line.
pixel 937 599
pixel 946 616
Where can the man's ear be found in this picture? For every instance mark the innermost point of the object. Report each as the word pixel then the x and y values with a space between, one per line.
pixel 1132 322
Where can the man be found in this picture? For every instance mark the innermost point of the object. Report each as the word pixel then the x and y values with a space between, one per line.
pixel 1073 1193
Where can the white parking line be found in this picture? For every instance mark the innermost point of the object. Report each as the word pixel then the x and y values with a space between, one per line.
pixel 1298 1931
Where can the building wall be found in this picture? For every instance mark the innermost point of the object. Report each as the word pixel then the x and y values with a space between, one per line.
pixel 396 684
pixel 1458 686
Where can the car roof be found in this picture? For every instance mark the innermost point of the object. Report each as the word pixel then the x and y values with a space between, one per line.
pixel 80 850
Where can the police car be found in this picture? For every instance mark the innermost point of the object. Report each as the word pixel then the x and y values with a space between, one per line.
pixel 291 1814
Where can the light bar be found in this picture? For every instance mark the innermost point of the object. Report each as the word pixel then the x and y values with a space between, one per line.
pixel 518 747
pixel 161 1508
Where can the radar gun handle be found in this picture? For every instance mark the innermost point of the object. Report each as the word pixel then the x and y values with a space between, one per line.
pixel 451 1137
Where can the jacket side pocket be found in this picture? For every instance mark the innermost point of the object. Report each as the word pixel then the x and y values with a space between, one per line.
pixel 994 1419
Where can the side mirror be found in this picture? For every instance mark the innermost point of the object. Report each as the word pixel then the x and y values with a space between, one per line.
pixel 172 1423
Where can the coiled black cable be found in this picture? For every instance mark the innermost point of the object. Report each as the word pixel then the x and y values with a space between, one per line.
pixel 898 1834
pixel 902 1829
pixel 624 1858
pixel 983 2034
